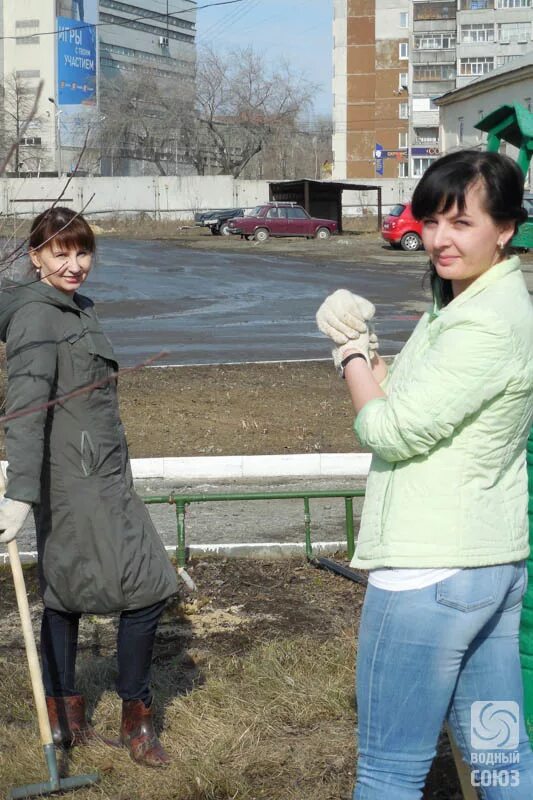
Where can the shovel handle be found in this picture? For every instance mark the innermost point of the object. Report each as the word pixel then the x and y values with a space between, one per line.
pixel 29 641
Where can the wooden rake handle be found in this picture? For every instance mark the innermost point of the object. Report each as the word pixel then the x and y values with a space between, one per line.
pixel 29 642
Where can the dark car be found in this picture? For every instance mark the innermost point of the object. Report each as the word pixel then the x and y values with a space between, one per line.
pixel 217 219
pixel 281 219
pixel 401 229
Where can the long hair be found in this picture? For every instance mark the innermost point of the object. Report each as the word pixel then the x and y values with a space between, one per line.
pixel 445 183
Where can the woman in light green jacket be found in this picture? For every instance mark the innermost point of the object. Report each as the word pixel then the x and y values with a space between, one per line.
pixel 444 530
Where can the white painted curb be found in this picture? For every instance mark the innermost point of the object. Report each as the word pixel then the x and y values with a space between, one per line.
pixel 231 467
pixel 231 550
pixel 278 466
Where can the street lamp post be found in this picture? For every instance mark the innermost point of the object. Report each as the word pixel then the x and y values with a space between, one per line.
pixel 57 112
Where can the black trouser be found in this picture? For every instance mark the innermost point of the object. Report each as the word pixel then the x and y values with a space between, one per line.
pixel 135 644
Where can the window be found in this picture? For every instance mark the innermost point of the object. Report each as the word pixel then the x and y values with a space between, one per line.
pixel 514 32
pixel 460 129
pixel 296 213
pixel 477 33
pixel 404 50
pixel 274 213
pixel 28 73
pixel 403 169
pixel 30 140
pixel 402 139
pixel 25 30
pixel 527 103
pixel 403 80
pixel 420 165
pixel 403 111
pixel 404 19
pixel 502 60
pixel 477 66
pixel 434 72
pixel 434 41
pixel 513 3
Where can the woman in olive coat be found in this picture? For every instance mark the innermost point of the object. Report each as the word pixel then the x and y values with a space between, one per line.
pixel 99 552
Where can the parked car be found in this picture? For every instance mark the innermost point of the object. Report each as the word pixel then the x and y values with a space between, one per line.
pixel 281 219
pixel 201 216
pixel 401 229
pixel 217 219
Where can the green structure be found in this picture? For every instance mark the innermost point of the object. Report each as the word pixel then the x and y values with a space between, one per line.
pixel 514 124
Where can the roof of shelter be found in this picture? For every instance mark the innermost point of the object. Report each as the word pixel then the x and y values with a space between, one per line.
pixel 344 184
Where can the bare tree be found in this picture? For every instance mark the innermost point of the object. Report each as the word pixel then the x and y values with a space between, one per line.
pixel 21 127
pixel 143 117
pixel 243 103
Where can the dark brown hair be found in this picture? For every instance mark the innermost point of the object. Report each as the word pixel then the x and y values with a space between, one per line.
pixel 63 227
pixel 446 182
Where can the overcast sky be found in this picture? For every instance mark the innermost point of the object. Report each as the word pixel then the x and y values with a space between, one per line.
pixel 298 30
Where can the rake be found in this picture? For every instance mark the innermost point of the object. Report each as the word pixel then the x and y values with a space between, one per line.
pixel 54 783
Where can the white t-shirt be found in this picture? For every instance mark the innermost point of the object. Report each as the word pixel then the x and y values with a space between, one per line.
pixel 401 579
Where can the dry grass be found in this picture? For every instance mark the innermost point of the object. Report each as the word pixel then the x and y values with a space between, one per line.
pixel 275 723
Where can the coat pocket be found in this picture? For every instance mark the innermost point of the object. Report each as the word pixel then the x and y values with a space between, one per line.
pixel 88 456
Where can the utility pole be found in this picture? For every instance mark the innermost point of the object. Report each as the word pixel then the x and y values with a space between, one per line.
pixel 57 126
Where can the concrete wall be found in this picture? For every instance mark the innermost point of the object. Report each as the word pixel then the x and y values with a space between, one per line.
pixel 164 198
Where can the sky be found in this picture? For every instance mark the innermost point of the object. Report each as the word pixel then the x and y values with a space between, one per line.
pixel 300 31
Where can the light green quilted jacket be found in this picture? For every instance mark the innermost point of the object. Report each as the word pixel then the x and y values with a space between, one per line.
pixel 448 482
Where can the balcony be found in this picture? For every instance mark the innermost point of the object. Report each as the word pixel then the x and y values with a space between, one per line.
pixel 434 56
pixel 425 119
pixel 435 10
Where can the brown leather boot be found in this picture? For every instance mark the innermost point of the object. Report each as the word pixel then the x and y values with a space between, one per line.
pixel 138 735
pixel 68 720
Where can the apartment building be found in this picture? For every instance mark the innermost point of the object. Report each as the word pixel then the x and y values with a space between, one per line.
pixel 370 81
pixel 71 45
pixel 447 45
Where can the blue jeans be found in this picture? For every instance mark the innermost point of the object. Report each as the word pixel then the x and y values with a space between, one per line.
pixel 426 656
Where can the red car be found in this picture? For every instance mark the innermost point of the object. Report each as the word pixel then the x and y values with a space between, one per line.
pixel 281 219
pixel 401 229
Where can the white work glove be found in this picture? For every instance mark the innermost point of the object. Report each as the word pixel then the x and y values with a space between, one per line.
pixel 344 315
pixel 360 345
pixel 12 516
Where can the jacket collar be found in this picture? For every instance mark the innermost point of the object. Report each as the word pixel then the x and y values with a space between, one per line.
pixel 495 273
pixel 77 302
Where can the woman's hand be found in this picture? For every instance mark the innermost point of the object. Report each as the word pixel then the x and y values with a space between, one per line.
pixel 343 316
pixel 13 514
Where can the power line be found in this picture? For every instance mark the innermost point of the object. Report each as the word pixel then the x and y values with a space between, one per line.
pixel 125 23
pixel 233 17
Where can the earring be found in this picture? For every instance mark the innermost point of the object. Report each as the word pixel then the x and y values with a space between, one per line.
pixel 501 245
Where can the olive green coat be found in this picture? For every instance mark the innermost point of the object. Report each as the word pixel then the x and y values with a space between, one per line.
pixel 98 549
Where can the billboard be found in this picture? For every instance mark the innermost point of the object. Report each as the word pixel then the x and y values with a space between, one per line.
pixel 77 66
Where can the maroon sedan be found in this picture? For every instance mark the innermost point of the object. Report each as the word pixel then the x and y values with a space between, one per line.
pixel 281 219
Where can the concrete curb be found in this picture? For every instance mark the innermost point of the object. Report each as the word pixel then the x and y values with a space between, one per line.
pixel 277 466
pixel 237 550
pixel 231 467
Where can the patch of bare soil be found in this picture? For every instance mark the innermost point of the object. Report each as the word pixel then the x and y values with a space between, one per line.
pixel 246 409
